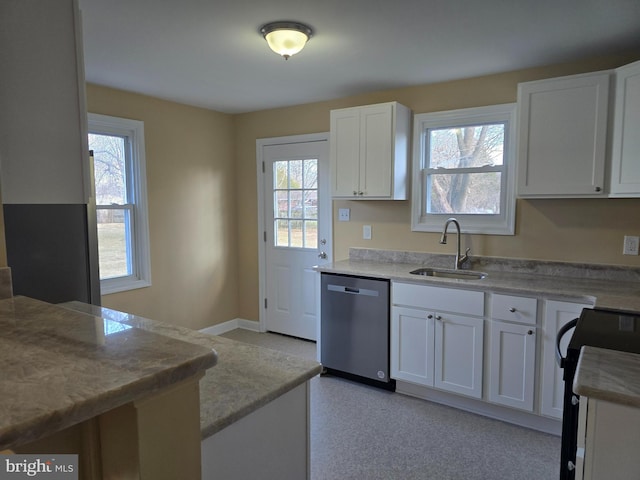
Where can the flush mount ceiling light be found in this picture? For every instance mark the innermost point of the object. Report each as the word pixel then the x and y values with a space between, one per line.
pixel 286 38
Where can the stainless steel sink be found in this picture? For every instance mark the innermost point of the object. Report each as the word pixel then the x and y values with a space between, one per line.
pixel 446 273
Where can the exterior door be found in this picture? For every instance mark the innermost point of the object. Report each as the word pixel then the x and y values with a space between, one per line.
pixel 297 216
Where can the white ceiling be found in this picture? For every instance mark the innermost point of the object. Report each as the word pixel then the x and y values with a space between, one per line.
pixel 209 52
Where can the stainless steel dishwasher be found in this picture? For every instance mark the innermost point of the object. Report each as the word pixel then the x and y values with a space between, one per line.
pixel 354 328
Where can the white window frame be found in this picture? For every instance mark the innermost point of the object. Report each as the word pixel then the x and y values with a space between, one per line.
pixel 502 224
pixel 141 263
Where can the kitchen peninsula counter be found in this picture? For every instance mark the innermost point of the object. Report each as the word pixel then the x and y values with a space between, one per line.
pixel 605 286
pixel 79 384
pixel 608 375
pixel 60 367
pixel 255 399
pixel 245 378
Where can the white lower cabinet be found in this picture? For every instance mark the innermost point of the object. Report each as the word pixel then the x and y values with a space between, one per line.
pixel 608 439
pixel 272 442
pixel 556 315
pixel 435 348
pixel 512 351
pixel 439 341
pixel 512 357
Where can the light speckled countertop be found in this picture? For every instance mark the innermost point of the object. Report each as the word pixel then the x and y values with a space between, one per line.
pixel 608 375
pixel 607 287
pixel 245 378
pixel 61 367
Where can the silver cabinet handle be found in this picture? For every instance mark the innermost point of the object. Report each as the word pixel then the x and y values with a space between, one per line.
pixel 530 332
pixel 598 189
pixel 438 317
pixel 355 193
pixel 512 309
pixel 429 316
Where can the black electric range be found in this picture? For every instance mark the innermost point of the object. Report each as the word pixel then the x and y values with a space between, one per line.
pixel 603 328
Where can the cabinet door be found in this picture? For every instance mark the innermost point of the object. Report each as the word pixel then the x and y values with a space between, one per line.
pixel 625 158
pixel 556 314
pixel 458 354
pixel 562 136
pixel 344 144
pixel 412 345
pixel 376 153
pixel 512 364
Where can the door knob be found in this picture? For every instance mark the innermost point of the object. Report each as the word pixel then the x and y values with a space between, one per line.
pixel 322 255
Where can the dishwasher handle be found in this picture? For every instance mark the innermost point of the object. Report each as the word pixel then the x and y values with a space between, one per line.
pixel 352 291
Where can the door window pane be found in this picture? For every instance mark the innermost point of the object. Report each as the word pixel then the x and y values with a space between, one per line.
pixel 282 233
pixel 295 200
pixel 311 232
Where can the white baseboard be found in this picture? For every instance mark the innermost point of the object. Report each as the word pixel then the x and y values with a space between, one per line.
pixel 225 327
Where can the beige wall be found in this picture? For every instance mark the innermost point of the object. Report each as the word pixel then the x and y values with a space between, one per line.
pixel 192 210
pixel 589 231
pixel 201 168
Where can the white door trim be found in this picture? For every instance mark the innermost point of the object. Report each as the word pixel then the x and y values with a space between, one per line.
pixel 262 257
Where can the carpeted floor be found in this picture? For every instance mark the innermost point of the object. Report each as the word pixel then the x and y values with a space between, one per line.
pixel 364 433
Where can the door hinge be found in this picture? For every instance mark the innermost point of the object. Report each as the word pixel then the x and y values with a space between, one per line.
pixel 265 303
pixel 264 235
pixel 263 169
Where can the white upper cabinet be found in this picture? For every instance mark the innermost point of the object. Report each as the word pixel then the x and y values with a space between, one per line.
pixel 43 125
pixel 370 152
pixel 562 137
pixel 625 156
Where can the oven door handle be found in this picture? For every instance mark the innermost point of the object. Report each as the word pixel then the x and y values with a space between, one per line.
pixel 565 328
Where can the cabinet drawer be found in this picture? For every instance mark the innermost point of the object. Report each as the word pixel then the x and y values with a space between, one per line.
pixel 514 309
pixel 466 302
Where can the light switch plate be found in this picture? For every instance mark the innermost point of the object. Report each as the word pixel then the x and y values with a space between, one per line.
pixel 344 214
pixel 630 245
pixel 366 232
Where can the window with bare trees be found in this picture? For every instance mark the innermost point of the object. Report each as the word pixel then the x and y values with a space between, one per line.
pixel 120 198
pixel 463 166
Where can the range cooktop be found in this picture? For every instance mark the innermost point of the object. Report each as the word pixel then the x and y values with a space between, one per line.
pixel 611 329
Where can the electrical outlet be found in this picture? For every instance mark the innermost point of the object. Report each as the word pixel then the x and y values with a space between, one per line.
pixel 366 232
pixel 630 245
pixel 344 214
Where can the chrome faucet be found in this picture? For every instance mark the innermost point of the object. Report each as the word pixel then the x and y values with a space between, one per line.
pixel 443 240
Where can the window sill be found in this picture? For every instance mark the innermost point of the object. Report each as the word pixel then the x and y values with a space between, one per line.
pixel 122 285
